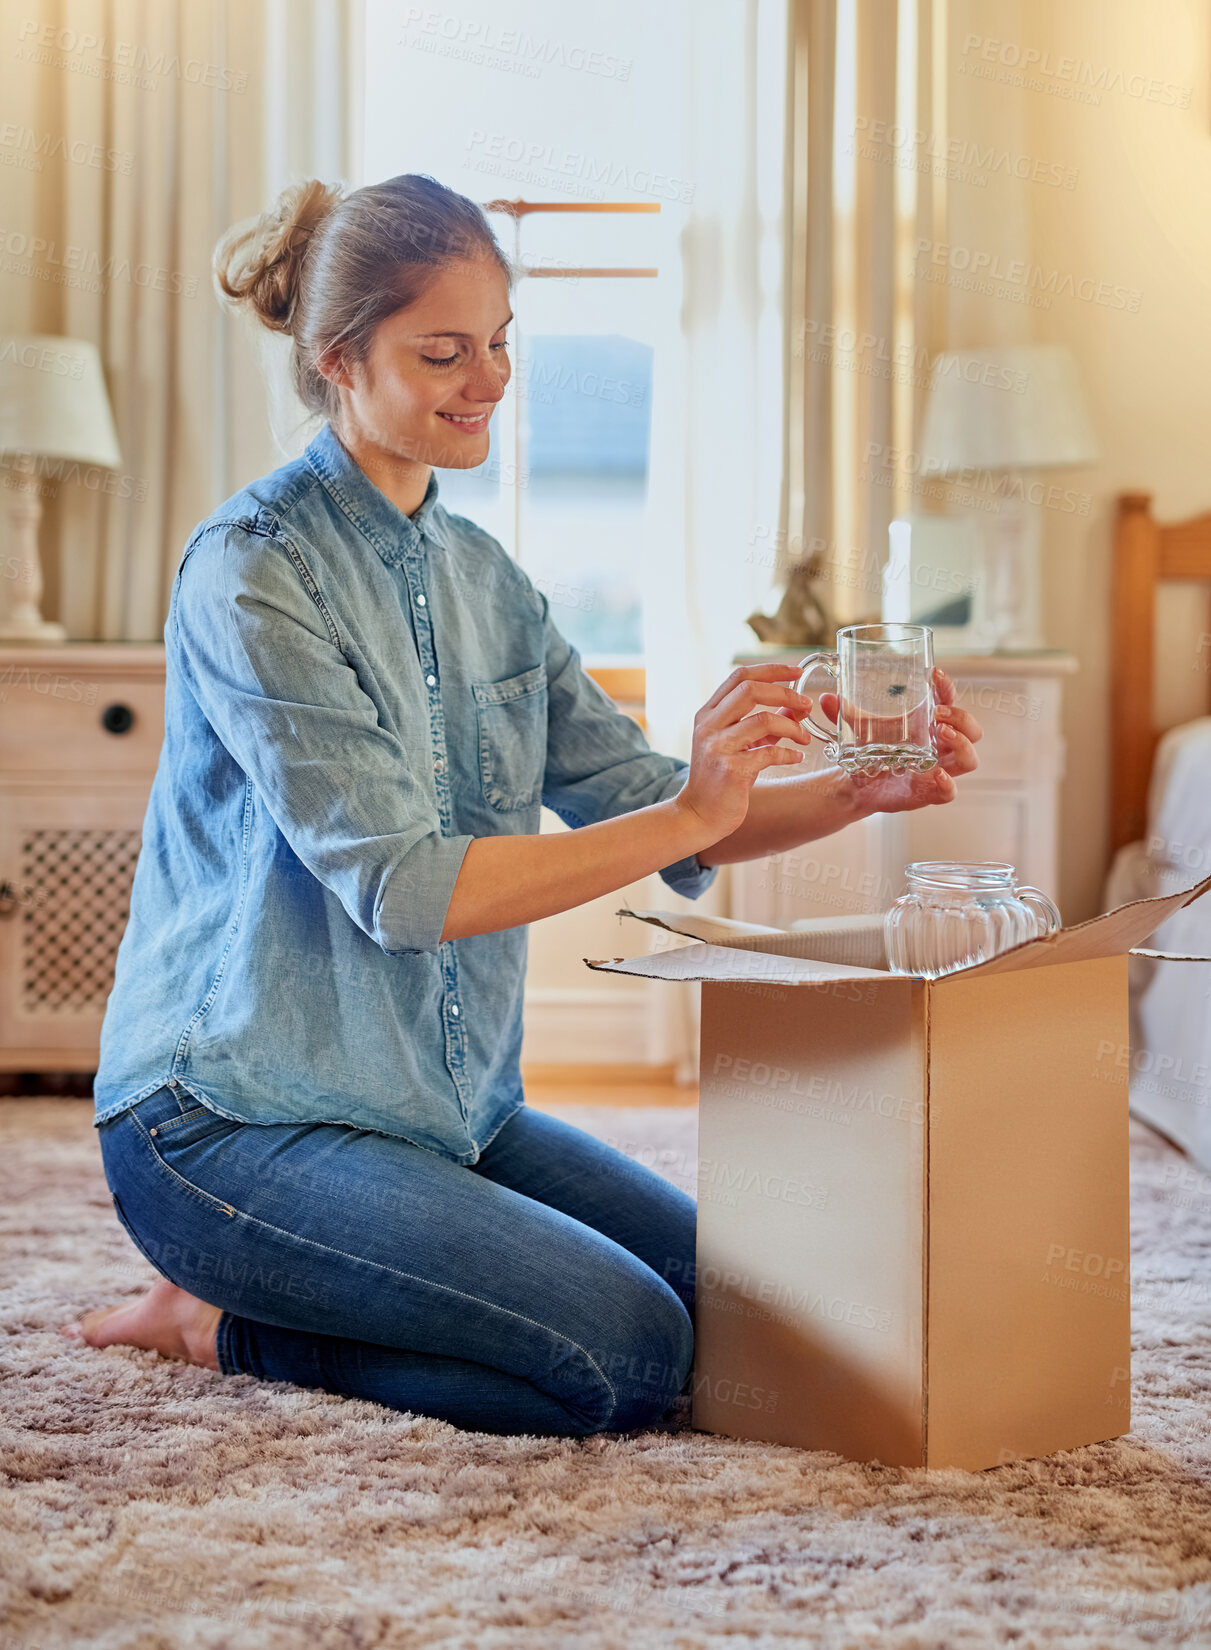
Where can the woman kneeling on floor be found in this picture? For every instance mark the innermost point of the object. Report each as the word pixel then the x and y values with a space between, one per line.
pixel 309 1098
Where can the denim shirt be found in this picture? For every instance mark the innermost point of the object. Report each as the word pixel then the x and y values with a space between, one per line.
pixel 353 695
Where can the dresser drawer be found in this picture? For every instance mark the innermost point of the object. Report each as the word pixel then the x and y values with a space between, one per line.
pixel 1021 721
pixel 63 718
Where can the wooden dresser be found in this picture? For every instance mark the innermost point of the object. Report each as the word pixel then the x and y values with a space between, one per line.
pixel 81 724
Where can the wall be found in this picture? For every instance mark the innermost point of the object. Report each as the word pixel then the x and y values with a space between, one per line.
pixel 1104 103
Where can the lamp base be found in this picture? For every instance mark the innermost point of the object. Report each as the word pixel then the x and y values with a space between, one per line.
pixel 31 630
pixel 1013 546
pixel 20 620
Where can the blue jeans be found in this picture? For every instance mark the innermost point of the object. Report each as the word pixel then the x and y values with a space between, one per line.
pixel 548 1288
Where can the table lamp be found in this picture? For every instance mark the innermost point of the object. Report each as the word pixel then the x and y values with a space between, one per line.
pixel 1014 408
pixel 53 404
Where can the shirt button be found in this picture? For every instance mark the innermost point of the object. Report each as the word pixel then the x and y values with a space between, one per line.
pixel 454 1009
pixel 432 680
pixel 439 764
pixel 420 601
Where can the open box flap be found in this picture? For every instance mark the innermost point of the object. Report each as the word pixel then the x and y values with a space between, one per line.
pixel 858 940
pixel 1109 935
pixel 1166 956
pixel 713 930
pixel 846 942
pixel 734 965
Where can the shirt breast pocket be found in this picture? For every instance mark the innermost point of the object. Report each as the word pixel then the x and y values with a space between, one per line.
pixel 512 719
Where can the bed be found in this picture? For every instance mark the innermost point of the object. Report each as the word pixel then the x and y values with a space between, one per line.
pixel 1161 829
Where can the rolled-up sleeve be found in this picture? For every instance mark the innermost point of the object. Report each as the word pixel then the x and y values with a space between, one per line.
pixel 599 765
pixel 261 657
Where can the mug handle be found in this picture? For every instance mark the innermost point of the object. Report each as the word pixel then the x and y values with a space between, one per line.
pixel 1046 910
pixel 819 661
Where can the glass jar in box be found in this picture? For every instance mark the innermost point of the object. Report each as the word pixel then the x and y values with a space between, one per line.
pixel 957 913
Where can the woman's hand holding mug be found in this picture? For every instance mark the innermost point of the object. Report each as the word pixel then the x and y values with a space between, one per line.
pixel 958 733
pixel 737 734
pixel 734 741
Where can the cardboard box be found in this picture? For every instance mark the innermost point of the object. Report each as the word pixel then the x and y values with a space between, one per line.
pixel 913 1240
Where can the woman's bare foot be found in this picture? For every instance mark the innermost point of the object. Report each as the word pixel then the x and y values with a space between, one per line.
pixel 164 1320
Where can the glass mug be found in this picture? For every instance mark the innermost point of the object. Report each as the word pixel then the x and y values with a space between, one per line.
pixel 884 677
pixel 956 914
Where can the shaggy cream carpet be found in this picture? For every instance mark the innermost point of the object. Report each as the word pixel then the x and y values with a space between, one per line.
pixel 149 1504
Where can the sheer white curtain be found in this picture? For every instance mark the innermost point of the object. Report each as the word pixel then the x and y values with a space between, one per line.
pixel 802 339
pixel 717 407
pixel 200 110
pixel 717 396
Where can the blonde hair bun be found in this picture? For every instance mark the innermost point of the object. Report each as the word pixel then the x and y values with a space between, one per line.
pixel 260 262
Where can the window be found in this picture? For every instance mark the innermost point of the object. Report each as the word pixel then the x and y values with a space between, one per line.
pixel 575 152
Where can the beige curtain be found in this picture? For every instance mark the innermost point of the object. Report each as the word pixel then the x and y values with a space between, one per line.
pixel 177 118
pixel 865 130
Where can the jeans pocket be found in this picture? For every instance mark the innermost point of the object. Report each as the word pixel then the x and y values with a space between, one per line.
pixel 189 1128
pixel 512 723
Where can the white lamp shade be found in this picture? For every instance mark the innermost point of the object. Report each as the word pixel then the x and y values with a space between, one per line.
pixel 53 401
pixel 1016 407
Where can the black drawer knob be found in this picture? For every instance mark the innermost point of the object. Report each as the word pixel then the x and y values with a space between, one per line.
pixel 117 718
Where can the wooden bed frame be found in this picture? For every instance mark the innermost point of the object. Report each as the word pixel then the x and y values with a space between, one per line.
pixel 1145 551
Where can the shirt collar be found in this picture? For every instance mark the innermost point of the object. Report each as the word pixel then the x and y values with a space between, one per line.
pixel 393 534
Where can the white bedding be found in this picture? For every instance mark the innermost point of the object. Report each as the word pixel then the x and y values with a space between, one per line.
pixel 1171 1001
